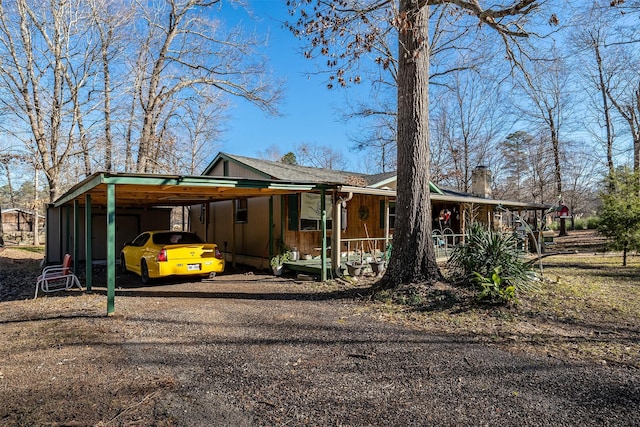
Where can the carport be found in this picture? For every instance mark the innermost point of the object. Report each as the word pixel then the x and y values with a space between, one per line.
pixel 111 191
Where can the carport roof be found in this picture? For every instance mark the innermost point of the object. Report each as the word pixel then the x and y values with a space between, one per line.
pixel 146 190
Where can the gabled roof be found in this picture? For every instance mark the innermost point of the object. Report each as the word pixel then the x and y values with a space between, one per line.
pixel 286 172
pixel 24 211
pixel 356 182
pixel 282 171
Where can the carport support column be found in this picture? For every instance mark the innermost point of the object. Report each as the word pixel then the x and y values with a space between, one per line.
pixel 323 256
pixel 76 235
pixel 88 238
pixel 111 248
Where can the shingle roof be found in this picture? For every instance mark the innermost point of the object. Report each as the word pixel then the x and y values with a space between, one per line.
pixel 287 172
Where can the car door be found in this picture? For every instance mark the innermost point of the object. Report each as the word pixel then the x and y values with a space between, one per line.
pixel 135 252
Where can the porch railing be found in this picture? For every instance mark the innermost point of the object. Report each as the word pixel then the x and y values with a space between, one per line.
pixel 359 249
pixel 444 243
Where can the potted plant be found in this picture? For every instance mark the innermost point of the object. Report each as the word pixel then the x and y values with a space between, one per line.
pixel 354 268
pixel 277 262
pixel 377 266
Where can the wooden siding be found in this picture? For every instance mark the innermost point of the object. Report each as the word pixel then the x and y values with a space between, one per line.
pixel 235 170
pixel 309 242
pixel 250 238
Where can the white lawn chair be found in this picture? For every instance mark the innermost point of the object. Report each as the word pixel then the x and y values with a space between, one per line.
pixel 57 278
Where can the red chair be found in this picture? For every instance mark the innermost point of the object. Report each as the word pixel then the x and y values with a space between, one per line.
pixel 57 278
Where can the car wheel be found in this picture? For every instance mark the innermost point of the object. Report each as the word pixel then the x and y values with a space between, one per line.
pixel 123 265
pixel 144 272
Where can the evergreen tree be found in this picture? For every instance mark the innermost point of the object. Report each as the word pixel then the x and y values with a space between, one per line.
pixel 620 212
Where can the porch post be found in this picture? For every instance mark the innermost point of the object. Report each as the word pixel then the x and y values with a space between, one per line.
pixel 233 233
pixel 323 255
pixel 336 236
pixel 386 226
pixel 271 227
pixel 76 232
pixel 87 243
pixel 111 248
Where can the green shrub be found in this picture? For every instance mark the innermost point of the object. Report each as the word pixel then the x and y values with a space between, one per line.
pixel 495 289
pixel 593 223
pixel 484 251
pixel 579 224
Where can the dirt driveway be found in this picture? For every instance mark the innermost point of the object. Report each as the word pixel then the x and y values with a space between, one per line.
pixel 252 350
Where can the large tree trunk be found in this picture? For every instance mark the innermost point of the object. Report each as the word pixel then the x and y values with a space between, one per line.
pixel 413 257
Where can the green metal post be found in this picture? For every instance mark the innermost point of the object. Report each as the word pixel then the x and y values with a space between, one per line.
pixel 111 248
pixel 88 238
pixel 323 256
pixel 61 233
pixel 67 217
pixel 76 235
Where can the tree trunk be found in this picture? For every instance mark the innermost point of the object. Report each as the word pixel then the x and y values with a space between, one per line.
pixel 605 106
pixel 413 257
pixel 555 142
pixel 106 77
pixel 36 202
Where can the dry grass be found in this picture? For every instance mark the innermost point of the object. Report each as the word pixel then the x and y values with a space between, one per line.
pixel 586 308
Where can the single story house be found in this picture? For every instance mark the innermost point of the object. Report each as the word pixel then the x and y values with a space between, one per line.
pixel 361 206
pixel 252 209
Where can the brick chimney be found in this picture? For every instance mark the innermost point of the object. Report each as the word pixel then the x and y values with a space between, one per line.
pixel 481 182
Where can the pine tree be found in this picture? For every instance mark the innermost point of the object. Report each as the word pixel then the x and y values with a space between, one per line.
pixel 620 212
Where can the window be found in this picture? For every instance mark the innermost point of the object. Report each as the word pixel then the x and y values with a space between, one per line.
pixel 305 212
pixel 242 212
pixel 392 214
pixel 176 237
pixel 141 240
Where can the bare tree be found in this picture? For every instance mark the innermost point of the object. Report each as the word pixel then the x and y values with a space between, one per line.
pixel 110 20
pixel 344 32
pixel 377 134
pixel 601 79
pixel 184 50
pixel 6 160
pixel 453 49
pixel 272 153
pixel 627 103
pixel 43 70
pixel 319 156
pixel 469 119
pixel 202 125
pixel 528 167
pixel 547 88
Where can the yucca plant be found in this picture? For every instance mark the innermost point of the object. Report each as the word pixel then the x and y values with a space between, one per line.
pixel 484 251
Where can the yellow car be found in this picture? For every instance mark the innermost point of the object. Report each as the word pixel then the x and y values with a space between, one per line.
pixel 155 254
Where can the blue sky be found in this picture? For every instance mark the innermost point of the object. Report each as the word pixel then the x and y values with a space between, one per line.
pixel 310 113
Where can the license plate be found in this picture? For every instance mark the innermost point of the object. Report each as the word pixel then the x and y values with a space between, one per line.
pixel 192 267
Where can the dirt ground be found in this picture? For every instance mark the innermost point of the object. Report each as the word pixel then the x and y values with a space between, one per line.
pixel 249 349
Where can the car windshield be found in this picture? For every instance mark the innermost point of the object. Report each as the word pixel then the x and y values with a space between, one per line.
pixel 176 238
